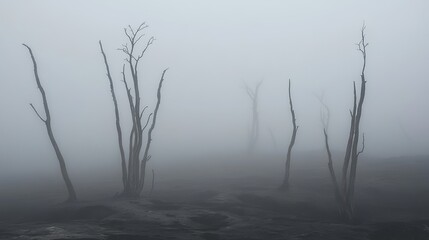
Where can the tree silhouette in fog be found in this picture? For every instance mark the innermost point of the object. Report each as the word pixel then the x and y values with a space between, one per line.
pixel 254 129
pixel 134 170
pixel 47 121
pixel 344 191
pixel 285 183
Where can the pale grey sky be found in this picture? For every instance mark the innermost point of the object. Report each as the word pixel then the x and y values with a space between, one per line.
pixel 212 49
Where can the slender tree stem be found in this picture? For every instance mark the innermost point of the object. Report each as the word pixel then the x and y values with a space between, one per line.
pixel 70 188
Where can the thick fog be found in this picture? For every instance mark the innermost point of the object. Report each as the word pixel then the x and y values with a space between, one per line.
pixel 212 49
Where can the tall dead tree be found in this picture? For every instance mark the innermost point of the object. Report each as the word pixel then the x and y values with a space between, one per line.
pixel 344 193
pixel 47 121
pixel 254 130
pixel 285 183
pixel 118 122
pixel 133 173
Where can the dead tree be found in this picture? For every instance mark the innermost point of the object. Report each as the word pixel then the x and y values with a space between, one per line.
pixel 344 193
pixel 133 173
pixel 47 121
pixel 285 183
pixel 273 138
pixel 118 123
pixel 355 154
pixel 254 130
pixel 324 118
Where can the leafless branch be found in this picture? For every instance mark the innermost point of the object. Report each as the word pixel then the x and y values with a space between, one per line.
pixel 141 114
pixel 147 122
pixel 149 42
pixel 250 92
pixel 43 120
pixel 363 144
pixel 325 113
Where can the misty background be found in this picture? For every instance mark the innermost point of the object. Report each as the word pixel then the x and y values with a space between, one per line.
pixel 212 50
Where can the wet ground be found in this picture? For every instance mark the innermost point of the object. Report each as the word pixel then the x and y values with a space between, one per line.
pixel 203 215
pixel 389 207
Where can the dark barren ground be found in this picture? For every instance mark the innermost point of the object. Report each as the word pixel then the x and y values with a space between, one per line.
pixel 224 199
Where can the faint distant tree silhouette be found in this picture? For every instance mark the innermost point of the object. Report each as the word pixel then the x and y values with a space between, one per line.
pixel 273 138
pixel 133 175
pixel 254 130
pixel 47 121
pixel 152 187
pixel 285 183
pixel 344 192
pixel 325 117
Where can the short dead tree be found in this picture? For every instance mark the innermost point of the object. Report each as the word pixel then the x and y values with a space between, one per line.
pixel 134 166
pixel 47 121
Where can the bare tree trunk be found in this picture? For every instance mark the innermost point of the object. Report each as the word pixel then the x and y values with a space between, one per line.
pixel 285 184
pixel 345 194
pixel 71 192
pixel 342 207
pixel 118 124
pixel 153 181
pixel 355 154
pixel 146 156
pixel 347 157
pixel 339 197
pixel 254 131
